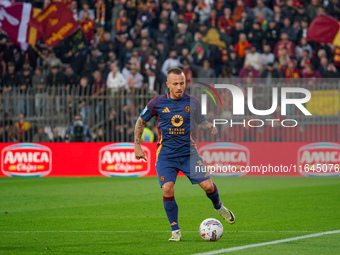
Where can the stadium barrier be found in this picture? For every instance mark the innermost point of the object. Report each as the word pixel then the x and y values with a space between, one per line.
pixel 115 111
pixel 117 159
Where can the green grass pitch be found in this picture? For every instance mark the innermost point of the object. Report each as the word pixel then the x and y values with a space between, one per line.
pixel 126 216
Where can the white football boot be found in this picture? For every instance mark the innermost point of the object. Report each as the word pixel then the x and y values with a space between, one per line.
pixel 176 236
pixel 226 214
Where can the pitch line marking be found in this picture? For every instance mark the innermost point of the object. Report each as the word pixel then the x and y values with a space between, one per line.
pixel 267 243
pixel 141 231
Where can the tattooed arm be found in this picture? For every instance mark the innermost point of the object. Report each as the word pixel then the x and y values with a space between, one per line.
pixel 139 128
pixel 205 125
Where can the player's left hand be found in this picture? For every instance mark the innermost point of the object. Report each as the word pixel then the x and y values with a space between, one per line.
pixel 213 129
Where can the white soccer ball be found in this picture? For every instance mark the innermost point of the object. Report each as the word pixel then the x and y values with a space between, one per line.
pixel 211 229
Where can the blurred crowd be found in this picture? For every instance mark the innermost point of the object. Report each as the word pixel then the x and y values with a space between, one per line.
pixel 132 44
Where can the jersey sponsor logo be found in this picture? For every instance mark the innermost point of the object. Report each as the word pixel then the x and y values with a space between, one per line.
pixel 187 109
pixel 144 111
pixel 225 159
pixel 177 120
pixel 166 109
pixel 119 159
pixel 26 160
pixel 319 159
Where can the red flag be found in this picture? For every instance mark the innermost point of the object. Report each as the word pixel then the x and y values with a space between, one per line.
pixel 14 19
pixel 55 23
pixel 324 29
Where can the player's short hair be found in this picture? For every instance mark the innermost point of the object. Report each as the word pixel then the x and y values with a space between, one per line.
pixel 174 70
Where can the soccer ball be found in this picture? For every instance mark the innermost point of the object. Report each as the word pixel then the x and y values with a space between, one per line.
pixel 211 229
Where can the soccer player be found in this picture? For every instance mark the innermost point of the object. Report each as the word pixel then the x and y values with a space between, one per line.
pixel 176 150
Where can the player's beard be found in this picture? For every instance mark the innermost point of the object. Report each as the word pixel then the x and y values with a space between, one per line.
pixel 178 94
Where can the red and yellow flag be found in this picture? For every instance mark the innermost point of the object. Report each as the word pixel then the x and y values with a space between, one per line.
pixel 55 23
pixel 324 29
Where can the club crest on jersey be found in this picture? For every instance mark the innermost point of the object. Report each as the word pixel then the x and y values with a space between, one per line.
pixel 177 120
pixel 187 109
pixel 144 111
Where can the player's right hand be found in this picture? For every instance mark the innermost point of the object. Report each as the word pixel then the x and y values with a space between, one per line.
pixel 140 154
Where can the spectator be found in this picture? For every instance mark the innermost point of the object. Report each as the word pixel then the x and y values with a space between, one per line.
pixel 184 33
pixel 163 35
pixel 291 72
pixel 331 71
pixel 153 79
pixel 90 12
pixel 78 131
pixel 102 66
pixel 134 78
pixel 117 8
pixel 10 83
pixel 278 16
pixel 99 88
pixel 206 71
pixel 285 43
pixel 248 72
pixel 123 20
pixel 41 136
pixel 87 26
pixel 241 45
pixel 246 21
pixel 256 36
pixel 172 61
pixel 100 136
pixel 226 22
pixel 234 64
pixel 55 78
pixel 111 130
pixel 21 126
pixel 236 31
pixel 333 9
pixel 144 34
pixel 115 80
pixel 74 10
pixel 290 11
pixel 305 60
pixel 100 12
pixel 202 10
pixel 240 7
pixel 213 19
pixel 126 54
pixel 323 66
pixel 84 100
pixel 272 34
pixel 312 9
pixel 302 33
pixel 145 16
pixel 287 28
pixel 56 137
pixel 219 6
pixel 25 85
pixel 144 51
pixel 267 56
pixel 31 132
pixel 187 72
pixel 269 73
pixel 309 72
pixel 303 45
pixel 189 14
pixel 260 7
pixel 70 79
pixel 254 59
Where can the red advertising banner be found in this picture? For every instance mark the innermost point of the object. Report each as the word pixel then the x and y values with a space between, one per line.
pixel 118 159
